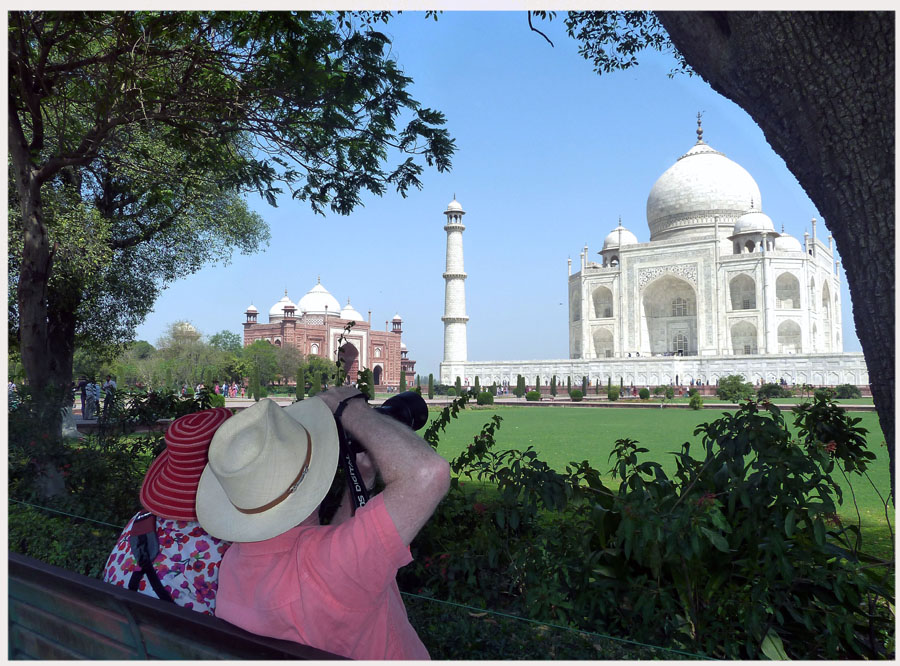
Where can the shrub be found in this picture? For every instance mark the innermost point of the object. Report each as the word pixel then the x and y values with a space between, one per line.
pixel 644 394
pixel 576 395
pixel 669 393
pixel 533 396
pixel 519 391
pixel 772 391
pixel 847 391
pixel 739 555
pixel 451 391
pixel 733 388
pixel 216 400
pixel 612 394
pixel 485 398
pixel 696 402
pixel 692 392
pixel 659 390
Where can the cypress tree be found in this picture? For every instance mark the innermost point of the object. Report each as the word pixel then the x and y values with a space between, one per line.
pixel 537 383
pixel 458 386
pixel 301 383
pixel 608 384
pixel 430 385
pixel 569 384
pixel 402 381
pixel 419 384
pixel 477 385
pixel 584 384
pixel 553 386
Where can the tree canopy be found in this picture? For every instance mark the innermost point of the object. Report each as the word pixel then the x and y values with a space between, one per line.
pixel 133 135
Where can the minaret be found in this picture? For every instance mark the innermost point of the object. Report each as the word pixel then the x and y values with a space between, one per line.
pixel 455 347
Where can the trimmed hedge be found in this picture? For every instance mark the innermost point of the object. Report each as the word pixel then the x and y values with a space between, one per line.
pixel 576 395
pixel 533 396
pixel 485 398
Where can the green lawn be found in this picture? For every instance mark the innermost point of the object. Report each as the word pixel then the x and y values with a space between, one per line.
pixel 562 435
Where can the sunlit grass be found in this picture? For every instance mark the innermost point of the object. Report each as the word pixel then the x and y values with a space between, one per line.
pixel 563 435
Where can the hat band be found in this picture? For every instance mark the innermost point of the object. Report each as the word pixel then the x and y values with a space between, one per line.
pixel 291 488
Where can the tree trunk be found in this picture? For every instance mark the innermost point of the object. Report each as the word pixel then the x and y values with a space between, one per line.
pixel 820 85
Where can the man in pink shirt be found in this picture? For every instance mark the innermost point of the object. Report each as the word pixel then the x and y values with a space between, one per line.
pixel 331 587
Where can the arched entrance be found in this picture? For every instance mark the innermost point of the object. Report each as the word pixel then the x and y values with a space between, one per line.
pixel 376 374
pixel 348 357
pixel 669 318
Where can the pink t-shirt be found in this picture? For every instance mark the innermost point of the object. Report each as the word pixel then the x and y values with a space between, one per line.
pixel 332 587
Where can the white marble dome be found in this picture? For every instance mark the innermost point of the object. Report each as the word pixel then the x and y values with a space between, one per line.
pixel 700 186
pixel 454 206
pixel 787 243
pixel 619 237
pixel 316 300
pixel 350 313
pixel 276 312
pixel 251 309
pixel 753 222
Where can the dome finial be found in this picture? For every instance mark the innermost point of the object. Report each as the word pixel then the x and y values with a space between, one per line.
pixel 285 291
pixel 699 127
pixel 318 279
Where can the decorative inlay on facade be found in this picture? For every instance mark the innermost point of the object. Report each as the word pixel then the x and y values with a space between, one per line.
pixel 460 276
pixel 685 271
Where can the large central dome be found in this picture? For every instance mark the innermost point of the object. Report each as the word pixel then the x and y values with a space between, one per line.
pixel 319 300
pixel 702 185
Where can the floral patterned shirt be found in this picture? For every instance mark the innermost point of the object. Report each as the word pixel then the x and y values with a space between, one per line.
pixel 187 564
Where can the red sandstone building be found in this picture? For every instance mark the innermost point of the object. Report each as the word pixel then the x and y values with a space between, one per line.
pixel 314 326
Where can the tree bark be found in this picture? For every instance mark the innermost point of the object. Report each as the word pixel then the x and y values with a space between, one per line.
pixel 820 85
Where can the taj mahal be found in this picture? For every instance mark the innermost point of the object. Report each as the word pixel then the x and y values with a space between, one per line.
pixel 717 290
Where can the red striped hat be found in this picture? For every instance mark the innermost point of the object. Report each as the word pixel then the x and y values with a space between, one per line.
pixel 170 486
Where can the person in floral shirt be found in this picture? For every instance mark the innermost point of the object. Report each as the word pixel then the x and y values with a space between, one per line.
pixel 187 564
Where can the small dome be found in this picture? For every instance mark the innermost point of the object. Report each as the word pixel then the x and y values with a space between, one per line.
pixel 316 300
pixel 350 313
pixel 402 346
pixel 754 221
pixel 276 312
pixel 619 237
pixel 397 318
pixel 787 243
pixel 454 206
pixel 252 309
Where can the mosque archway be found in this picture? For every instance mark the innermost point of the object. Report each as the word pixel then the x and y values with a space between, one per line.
pixel 377 371
pixel 826 318
pixel 348 357
pixel 603 343
pixel 744 339
pixel 603 302
pixel 789 337
pixel 787 292
pixel 743 293
pixel 669 318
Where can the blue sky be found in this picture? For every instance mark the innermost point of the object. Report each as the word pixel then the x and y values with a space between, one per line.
pixel 549 156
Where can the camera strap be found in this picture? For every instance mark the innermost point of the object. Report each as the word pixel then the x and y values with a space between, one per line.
pixel 144 544
pixel 355 484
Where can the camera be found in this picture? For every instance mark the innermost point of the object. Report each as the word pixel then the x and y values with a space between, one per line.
pixel 408 407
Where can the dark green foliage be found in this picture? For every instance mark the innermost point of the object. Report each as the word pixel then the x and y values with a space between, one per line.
pixel 584 384
pixel 537 383
pixel 493 388
pixel 402 381
pixel 608 384
pixel 553 386
pixel 451 391
pixel 612 394
pixel 366 383
pixel 519 391
pixel 477 385
pixel 644 394
pixel 845 391
pixel 739 555
pixel 696 401
pixel 300 390
pixel 669 393
pixel 692 392
pixel 485 398
pixel 576 395
pixel 458 385
pixel 533 396
pixel 569 383
pixel 733 388
pixel 430 386
pixel 768 391
pixel 216 399
pixel 659 390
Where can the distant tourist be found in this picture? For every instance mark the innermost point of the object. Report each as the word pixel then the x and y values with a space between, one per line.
pixel 109 392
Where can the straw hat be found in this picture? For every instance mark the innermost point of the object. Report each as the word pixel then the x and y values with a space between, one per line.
pixel 170 485
pixel 269 468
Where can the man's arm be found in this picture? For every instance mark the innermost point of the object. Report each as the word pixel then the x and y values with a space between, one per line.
pixel 415 477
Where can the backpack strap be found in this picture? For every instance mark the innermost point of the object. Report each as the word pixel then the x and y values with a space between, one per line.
pixel 144 544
